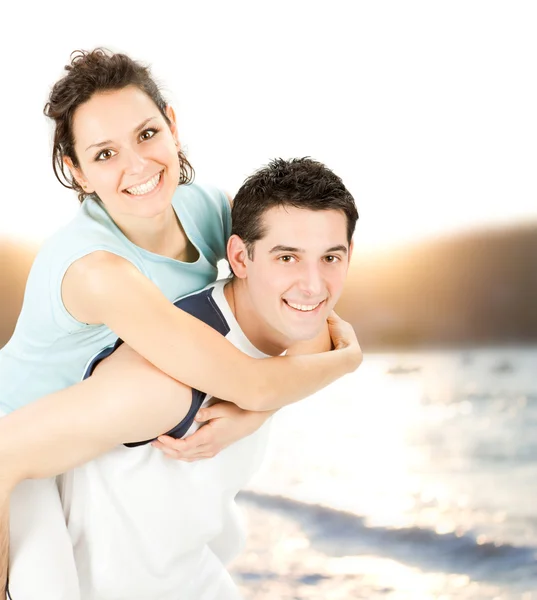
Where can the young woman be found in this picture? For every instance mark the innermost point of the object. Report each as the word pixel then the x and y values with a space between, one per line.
pixel 144 236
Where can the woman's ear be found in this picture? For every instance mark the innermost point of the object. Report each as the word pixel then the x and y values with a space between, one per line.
pixel 170 113
pixel 237 256
pixel 78 176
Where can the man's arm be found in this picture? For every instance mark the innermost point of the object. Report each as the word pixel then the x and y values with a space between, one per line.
pixel 223 424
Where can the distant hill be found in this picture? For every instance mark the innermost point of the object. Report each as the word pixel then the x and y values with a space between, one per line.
pixel 15 261
pixel 476 288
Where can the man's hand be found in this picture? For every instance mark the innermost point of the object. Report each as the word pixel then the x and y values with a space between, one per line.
pixel 224 423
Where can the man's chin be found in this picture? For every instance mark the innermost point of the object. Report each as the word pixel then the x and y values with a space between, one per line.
pixel 307 335
pixel 303 332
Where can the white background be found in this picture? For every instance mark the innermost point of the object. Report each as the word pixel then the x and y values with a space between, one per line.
pixel 428 110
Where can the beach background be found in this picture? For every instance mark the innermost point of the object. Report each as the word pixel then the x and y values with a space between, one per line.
pixel 415 477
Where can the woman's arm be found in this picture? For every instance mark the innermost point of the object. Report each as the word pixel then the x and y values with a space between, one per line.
pixel 104 288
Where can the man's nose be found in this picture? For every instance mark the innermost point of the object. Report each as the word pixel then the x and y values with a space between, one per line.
pixel 311 280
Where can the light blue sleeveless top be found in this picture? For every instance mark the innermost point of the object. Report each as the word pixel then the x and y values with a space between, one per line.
pixel 49 348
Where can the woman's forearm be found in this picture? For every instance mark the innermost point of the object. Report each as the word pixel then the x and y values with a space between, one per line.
pixel 212 364
pixel 284 380
pixel 316 370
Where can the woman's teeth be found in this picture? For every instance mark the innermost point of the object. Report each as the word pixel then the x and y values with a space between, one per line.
pixel 303 307
pixel 145 188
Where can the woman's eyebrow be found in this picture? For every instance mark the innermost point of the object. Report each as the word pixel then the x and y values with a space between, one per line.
pixel 143 124
pixel 106 142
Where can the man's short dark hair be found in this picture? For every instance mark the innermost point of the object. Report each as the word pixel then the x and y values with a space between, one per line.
pixel 300 183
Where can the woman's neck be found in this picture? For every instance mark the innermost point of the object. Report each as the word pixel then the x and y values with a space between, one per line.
pixel 162 234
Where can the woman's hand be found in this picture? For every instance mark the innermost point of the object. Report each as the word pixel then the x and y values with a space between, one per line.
pixel 224 423
pixel 344 338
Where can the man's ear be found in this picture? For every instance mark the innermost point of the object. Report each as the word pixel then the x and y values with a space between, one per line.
pixel 78 176
pixel 237 256
pixel 170 113
pixel 351 249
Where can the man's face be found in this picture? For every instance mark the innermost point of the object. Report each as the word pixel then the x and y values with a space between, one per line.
pixel 297 272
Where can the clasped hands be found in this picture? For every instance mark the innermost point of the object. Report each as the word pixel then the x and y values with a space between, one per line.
pixel 223 423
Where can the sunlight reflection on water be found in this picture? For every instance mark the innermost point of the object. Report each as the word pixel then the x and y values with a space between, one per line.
pixel 439 466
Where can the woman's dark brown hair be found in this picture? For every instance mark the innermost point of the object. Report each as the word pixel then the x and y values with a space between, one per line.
pixel 90 72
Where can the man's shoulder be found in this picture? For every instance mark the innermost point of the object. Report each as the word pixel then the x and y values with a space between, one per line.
pixel 205 305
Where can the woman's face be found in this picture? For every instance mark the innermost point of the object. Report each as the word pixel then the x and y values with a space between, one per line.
pixel 127 153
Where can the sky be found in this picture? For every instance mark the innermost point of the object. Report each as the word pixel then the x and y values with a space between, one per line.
pixel 427 110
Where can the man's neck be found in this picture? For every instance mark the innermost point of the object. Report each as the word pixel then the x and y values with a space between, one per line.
pixel 250 322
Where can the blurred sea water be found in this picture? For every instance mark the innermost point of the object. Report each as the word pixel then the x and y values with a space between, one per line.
pixel 413 478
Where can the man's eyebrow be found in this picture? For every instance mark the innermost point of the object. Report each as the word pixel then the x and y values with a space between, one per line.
pixel 339 248
pixel 280 248
pixel 106 142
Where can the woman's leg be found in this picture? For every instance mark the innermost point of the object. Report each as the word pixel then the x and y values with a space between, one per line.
pixel 4 542
pixel 127 399
pixel 41 554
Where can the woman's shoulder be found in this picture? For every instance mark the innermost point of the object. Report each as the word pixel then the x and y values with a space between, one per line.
pixel 201 197
pixel 89 230
pixel 86 236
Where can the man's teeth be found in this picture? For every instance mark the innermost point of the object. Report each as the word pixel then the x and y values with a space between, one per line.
pixel 145 188
pixel 304 307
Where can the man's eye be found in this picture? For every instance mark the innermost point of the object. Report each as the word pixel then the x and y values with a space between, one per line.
pixel 147 134
pixel 331 259
pixel 287 258
pixel 105 155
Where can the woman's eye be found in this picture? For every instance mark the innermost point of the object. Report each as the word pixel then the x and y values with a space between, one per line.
pixel 105 155
pixel 147 134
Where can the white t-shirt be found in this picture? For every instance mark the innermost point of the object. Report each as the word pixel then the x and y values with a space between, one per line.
pixel 145 527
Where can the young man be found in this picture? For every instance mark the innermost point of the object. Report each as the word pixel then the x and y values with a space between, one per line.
pixel 145 527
